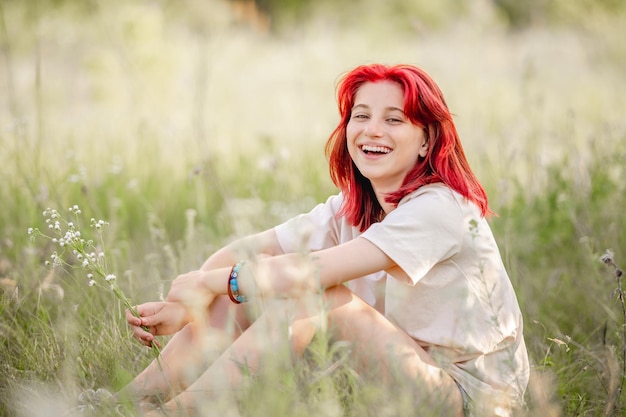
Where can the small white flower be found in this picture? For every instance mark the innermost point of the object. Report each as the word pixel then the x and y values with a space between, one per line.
pixel 30 230
pixel 55 240
pixel 90 275
pixel 85 263
pixel 92 283
pixel 47 263
pixel 109 277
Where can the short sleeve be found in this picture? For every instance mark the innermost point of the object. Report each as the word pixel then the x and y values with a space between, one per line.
pixel 421 232
pixel 318 229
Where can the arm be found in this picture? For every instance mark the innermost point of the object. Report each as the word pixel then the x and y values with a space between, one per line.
pixel 264 243
pixel 188 287
pixel 288 275
pixel 285 276
pixel 169 317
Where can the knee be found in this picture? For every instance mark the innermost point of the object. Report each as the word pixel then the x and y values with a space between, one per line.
pixel 340 299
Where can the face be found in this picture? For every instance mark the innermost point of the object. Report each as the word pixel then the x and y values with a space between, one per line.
pixel 382 141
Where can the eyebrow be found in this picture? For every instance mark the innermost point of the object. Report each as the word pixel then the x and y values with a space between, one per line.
pixel 365 106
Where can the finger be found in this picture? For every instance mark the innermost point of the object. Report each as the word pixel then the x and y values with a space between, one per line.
pixel 154 342
pixel 156 317
pixel 132 319
pixel 143 339
pixel 142 334
pixel 148 309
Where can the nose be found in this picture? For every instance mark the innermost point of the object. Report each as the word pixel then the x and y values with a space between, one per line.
pixel 373 129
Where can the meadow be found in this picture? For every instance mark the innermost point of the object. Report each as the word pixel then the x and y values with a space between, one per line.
pixel 186 127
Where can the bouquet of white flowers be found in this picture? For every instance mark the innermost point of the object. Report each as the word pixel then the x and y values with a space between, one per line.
pixel 75 251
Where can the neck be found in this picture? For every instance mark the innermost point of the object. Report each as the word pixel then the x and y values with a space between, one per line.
pixel 380 196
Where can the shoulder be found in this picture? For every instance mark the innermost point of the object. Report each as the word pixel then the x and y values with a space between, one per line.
pixel 319 228
pixel 434 203
pixel 432 192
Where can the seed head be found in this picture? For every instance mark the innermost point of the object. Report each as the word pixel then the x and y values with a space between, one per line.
pixel 607 257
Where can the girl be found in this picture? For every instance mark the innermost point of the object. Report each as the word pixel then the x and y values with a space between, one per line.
pixel 403 256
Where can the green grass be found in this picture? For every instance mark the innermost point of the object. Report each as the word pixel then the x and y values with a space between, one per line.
pixel 185 131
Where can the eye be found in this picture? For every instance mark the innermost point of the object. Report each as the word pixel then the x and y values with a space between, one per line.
pixel 394 120
pixel 359 116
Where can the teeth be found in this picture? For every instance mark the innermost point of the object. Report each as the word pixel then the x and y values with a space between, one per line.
pixel 377 149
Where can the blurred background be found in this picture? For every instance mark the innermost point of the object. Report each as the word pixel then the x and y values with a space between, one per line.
pixel 188 123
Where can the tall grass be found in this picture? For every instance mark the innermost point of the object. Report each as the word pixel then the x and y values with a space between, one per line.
pixel 185 130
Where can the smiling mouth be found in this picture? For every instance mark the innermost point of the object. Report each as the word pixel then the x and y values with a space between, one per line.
pixel 382 150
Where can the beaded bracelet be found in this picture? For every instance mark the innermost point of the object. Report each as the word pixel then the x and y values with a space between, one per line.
pixel 233 287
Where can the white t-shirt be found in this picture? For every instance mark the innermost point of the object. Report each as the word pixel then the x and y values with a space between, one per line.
pixel 452 294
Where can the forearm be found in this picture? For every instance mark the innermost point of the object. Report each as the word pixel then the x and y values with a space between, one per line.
pixel 283 276
pixel 291 275
pixel 264 244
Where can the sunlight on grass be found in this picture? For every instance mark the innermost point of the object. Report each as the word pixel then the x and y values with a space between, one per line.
pixel 188 126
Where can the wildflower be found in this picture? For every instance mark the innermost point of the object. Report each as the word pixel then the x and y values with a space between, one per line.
pixel 68 238
pixel 607 257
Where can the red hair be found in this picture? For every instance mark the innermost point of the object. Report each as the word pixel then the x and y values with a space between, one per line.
pixel 424 106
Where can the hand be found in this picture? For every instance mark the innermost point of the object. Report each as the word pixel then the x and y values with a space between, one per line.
pixel 160 318
pixel 189 289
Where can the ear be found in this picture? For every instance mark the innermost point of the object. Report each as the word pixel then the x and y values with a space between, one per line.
pixel 423 151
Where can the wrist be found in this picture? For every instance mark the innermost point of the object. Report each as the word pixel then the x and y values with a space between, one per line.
pixel 232 286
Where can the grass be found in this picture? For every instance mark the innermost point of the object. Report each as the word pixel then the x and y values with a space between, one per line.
pixel 180 129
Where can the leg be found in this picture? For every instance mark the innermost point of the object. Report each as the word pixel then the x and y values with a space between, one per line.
pixel 189 353
pixel 269 334
pixel 350 319
pixel 386 352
